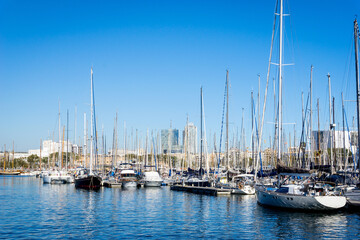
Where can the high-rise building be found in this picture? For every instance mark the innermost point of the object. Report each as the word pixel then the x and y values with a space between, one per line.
pixel 190 138
pixel 170 141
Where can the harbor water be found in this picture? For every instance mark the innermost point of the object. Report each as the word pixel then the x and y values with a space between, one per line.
pixel 31 210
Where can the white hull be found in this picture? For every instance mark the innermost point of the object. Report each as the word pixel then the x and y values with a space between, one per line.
pixel 152 179
pixel 57 177
pixel 353 197
pixel 300 202
pixel 152 183
pixel 53 179
pixel 244 191
pixel 129 184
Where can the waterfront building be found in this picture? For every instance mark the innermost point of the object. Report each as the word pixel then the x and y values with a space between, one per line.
pixel 49 147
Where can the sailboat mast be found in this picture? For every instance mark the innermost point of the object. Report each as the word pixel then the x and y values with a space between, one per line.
pixel 356 41
pixel 59 147
pixel 319 147
pixel 311 136
pixel 91 123
pixel 40 154
pixel 125 141
pixel 252 126
pixel 331 126
pixel 85 140
pixel 227 119
pixel 280 80
pixel 201 131
pixel 343 131
pixel 13 160
pixel 241 138
pixel 258 126
pixel 67 137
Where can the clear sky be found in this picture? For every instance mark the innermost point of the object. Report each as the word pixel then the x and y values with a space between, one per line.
pixel 151 57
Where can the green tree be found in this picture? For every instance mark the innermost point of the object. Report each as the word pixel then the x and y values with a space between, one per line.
pixel 32 160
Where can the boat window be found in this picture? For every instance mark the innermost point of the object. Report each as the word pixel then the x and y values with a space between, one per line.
pixel 283 190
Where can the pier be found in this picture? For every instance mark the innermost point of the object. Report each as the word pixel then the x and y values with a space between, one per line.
pixel 202 190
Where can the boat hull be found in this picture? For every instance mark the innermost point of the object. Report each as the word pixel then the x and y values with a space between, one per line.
pixel 299 202
pixel 129 184
pixel 353 198
pixel 10 173
pixel 53 180
pixel 152 183
pixel 88 182
pixel 244 191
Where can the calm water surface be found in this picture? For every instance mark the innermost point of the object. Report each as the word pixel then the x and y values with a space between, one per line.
pixel 31 210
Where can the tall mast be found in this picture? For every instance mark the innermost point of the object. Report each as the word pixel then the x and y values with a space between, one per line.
pixel 252 127
pixel 227 119
pixel 59 147
pixel 116 139
pixel 40 154
pixel 280 81
pixel 4 157
pixel 125 141
pixel 75 125
pixel 356 35
pixel 331 126
pixel 91 123
pixel 258 126
pixel 85 140
pixel 333 130
pixel 319 148
pixel 343 131
pixel 67 137
pixel 13 153
pixel 311 136
pixel 201 131
pixel 242 137
pixel 146 147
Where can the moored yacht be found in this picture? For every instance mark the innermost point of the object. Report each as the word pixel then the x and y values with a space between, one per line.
pixel 128 178
pixel 87 180
pixel 243 184
pixel 152 179
pixel 300 197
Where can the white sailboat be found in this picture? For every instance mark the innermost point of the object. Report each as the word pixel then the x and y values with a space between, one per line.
pixel 295 196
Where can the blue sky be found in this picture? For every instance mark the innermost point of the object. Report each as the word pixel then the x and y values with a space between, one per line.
pixel 151 57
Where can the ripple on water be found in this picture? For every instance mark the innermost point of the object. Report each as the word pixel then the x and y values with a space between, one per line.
pixel 31 210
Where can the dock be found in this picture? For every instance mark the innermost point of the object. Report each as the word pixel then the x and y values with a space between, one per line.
pixel 111 184
pixel 202 190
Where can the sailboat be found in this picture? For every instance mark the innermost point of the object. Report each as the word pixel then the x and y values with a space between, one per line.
pixel 303 195
pixel 353 193
pixel 9 172
pixel 87 179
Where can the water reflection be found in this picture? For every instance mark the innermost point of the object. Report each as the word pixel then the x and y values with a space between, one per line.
pixel 30 208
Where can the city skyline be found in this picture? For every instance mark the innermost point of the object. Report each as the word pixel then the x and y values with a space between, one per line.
pixel 149 64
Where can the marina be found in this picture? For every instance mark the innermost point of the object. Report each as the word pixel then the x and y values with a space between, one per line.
pixel 249 163
pixel 48 211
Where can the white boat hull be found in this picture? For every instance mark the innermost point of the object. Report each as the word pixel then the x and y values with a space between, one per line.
pixel 152 183
pixel 53 179
pixel 301 202
pixel 129 184
pixel 244 191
